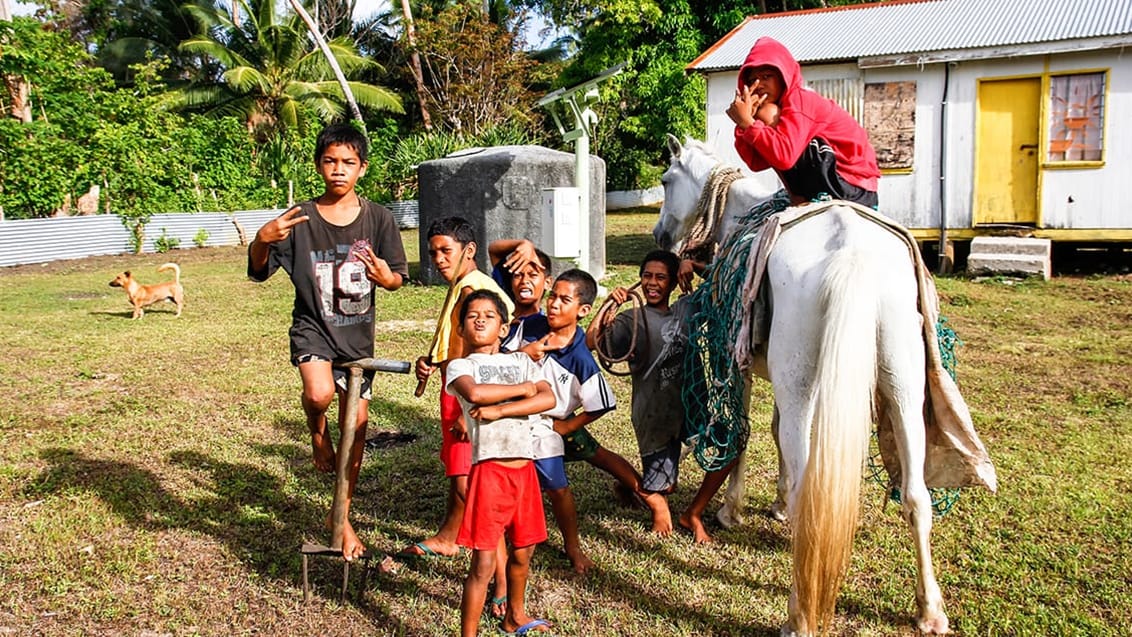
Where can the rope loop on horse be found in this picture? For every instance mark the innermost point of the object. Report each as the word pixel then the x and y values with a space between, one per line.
pixel 607 316
pixel 709 209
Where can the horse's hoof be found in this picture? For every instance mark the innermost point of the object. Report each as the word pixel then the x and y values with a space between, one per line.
pixel 778 511
pixel 728 518
pixel 935 625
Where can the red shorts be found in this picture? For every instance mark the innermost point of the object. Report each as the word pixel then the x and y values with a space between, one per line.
pixel 502 499
pixel 455 454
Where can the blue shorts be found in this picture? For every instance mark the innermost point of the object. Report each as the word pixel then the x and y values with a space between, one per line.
pixel 661 468
pixel 551 473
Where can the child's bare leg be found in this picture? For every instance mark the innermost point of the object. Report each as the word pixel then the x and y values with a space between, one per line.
pixel 617 467
pixel 693 517
pixel 444 542
pixel 518 568
pixel 499 594
pixel 318 391
pixel 566 515
pixel 475 591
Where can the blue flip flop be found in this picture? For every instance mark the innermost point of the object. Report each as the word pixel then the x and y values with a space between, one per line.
pixel 528 627
pixel 425 553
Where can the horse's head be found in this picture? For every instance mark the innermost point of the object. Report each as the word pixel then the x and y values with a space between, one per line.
pixel 688 170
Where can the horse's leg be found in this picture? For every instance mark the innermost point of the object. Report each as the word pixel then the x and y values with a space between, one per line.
pixel 901 383
pixel 778 509
pixel 790 355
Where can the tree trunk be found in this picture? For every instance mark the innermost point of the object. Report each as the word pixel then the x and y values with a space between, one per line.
pixel 415 64
pixel 354 111
pixel 19 102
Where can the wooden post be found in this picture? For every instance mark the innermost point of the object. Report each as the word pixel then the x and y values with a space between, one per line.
pixel 345 450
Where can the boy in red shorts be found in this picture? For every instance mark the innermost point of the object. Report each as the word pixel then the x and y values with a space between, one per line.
pixel 501 396
pixel 452 250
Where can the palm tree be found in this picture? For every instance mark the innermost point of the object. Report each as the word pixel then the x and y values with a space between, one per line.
pixel 271 74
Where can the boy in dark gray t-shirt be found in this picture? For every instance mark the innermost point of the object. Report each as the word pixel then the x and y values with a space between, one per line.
pixel 657 371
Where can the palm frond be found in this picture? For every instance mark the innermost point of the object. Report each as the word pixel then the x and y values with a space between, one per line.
pixel 243 79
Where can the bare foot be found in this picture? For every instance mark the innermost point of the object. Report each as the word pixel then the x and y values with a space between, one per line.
pixel 694 524
pixel 352 547
pixel 582 562
pixel 498 602
pixel 529 625
pixel 661 517
pixel 323 456
pixel 432 547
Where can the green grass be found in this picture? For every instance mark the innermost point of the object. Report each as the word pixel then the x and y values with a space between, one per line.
pixel 155 475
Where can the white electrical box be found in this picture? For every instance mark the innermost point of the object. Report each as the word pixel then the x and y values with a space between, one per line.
pixel 561 230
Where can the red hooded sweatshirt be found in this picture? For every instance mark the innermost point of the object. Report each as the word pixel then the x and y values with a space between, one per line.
pixel 803 115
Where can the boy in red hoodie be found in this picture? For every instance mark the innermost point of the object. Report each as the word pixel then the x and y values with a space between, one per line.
pixel 813 144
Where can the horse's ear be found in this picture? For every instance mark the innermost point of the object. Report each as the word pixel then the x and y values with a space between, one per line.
pixel 674 147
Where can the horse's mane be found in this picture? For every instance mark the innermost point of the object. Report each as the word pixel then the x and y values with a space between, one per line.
pixel 691 142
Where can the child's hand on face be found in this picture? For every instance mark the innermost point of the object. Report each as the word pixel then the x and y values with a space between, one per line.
pixel 743 107
pixel 523 255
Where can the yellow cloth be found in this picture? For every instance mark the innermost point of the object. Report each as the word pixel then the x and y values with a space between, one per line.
pixel 447 343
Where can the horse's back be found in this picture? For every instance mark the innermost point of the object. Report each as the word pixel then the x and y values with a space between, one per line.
pixel 806 247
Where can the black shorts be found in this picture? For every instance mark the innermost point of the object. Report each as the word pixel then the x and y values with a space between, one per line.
pixel 815 174
pixel 341 376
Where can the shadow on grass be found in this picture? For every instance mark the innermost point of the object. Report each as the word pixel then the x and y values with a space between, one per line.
pixel 243 507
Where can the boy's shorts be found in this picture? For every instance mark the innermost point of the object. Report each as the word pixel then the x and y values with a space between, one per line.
pixel 341 376
pixel 502 500
pixel 551 473
pixel 661 468
pixel 580 445
pixel 455 454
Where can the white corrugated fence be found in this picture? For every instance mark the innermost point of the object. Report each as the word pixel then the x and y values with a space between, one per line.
pixel 25 241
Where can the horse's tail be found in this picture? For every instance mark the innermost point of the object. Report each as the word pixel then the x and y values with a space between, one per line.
pixel 826 510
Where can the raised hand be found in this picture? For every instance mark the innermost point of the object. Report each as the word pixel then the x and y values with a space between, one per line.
pixel 377 270
pixel 523 254
pixel 279 228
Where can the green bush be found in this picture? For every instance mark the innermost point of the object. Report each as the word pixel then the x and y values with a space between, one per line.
pixel 200 238
pixel 165 243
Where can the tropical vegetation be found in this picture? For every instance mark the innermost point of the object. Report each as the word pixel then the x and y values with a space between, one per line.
pixel 212 105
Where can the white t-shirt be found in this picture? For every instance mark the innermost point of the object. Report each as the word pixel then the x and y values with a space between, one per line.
pixel 515 437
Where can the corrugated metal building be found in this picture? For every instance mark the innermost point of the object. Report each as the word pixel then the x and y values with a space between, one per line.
pixel 985 114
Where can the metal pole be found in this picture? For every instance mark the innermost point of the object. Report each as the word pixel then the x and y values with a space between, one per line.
pixel 582 182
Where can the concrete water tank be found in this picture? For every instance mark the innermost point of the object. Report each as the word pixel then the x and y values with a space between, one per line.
pixel 500 191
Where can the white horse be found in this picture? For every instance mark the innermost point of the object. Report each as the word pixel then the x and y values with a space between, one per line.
pixel 845 327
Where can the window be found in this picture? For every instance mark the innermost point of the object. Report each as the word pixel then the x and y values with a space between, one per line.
pixel 1076 117
pixel 890 118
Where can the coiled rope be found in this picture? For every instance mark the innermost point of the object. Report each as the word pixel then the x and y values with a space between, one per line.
pixel 607 313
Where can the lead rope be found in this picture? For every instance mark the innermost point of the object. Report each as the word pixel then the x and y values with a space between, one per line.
pixel 608 315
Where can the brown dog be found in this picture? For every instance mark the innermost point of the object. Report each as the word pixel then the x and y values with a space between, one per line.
pixel 144 295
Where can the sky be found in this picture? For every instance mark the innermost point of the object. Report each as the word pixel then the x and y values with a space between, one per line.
pixel 363 8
